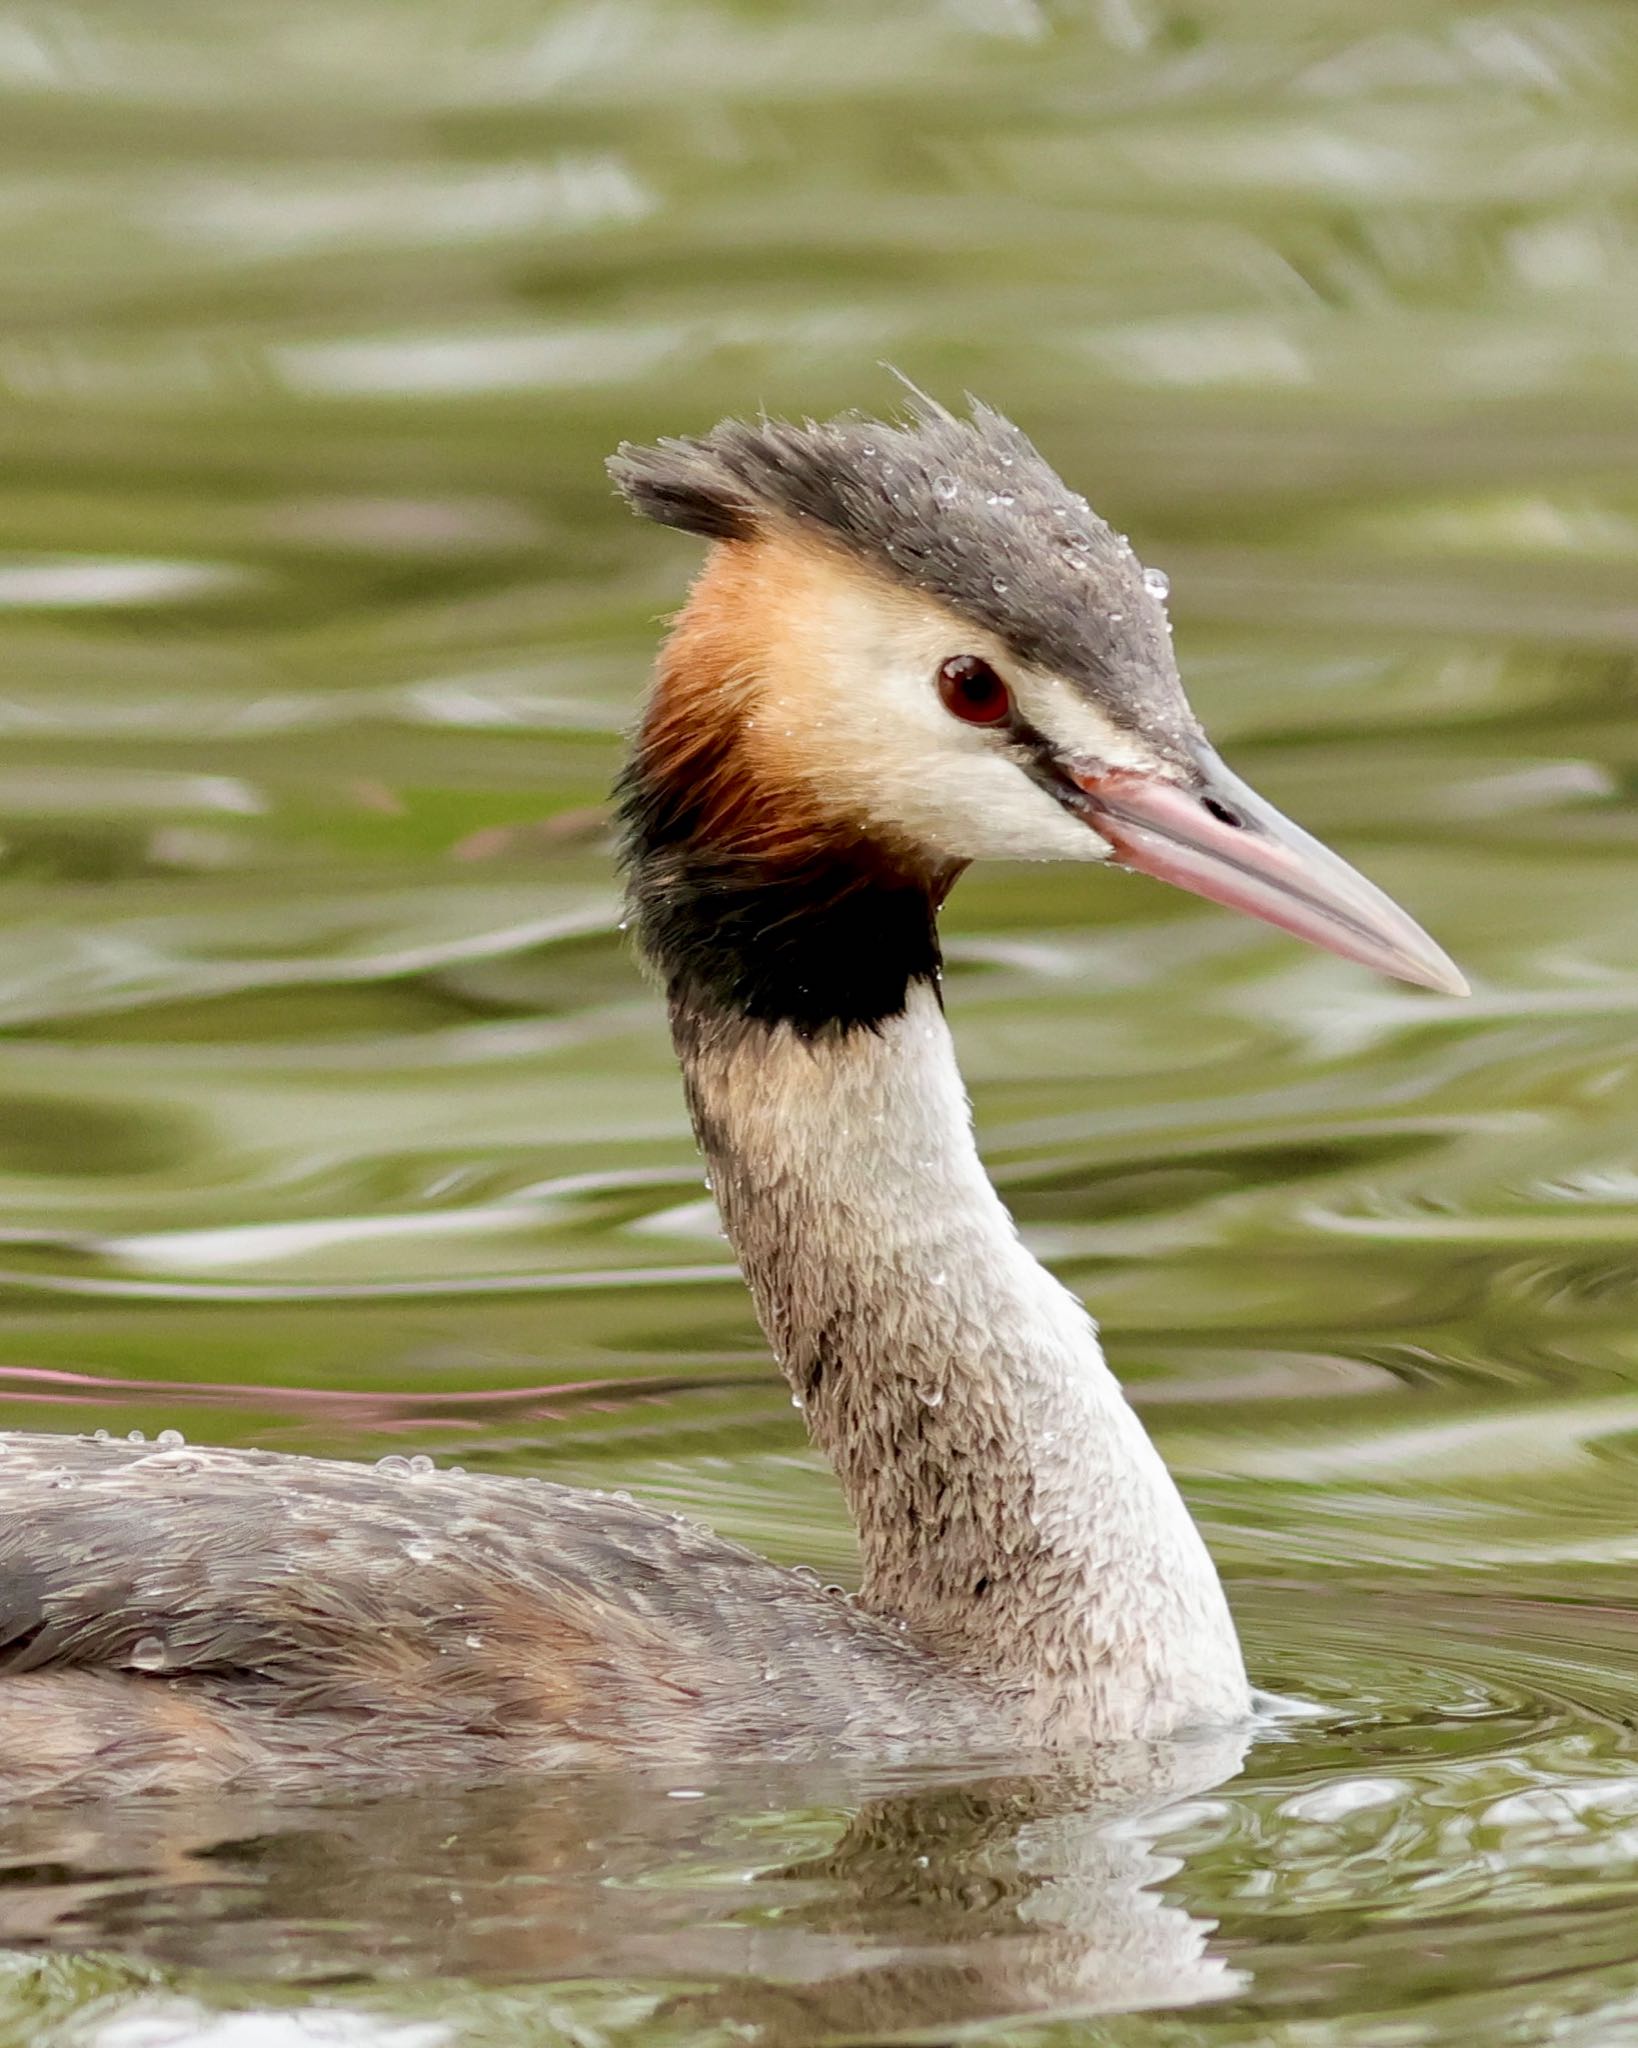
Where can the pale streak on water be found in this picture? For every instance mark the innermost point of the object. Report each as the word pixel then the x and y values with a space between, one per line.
pixel 335 1118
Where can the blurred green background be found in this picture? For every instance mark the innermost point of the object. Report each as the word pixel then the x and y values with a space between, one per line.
pixel 334 1116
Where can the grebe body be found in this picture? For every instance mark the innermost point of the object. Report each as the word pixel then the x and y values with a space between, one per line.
pixel 911 647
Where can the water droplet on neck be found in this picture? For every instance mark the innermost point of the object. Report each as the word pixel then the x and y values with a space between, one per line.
pixel 1157 583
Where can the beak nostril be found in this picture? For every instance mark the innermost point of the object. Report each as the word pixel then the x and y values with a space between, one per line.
pixel 1222 813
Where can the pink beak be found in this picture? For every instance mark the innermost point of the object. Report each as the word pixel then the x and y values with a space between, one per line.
pixel 1221 840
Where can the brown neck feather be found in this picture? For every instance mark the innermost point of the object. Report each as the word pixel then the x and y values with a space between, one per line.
pixel 748 897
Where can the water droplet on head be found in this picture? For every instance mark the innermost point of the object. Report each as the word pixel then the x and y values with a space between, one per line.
pixel 421 1465
pixel 868 448
pixel 1000 585
pixel 170 1440
pixel 474 1642
pixel 946 489
pixel 1157 583
pixel 393 1465
pixel 136 1436
pixel 148 1653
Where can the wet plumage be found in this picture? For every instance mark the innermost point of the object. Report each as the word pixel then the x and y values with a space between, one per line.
pixel 180 1617
pixel 803 791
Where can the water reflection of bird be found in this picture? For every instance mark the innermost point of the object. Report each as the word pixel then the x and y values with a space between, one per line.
pixel 809 1902
pixel 911 647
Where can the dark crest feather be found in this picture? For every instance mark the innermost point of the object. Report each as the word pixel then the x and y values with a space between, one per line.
pixel 965 510
pixel 679 483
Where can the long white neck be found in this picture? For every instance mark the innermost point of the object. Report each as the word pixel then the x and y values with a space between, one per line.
pixel 1012 1512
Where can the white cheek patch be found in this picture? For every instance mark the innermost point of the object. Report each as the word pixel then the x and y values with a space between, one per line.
pixel 951 787
pixel 1065 716
pixel 872 740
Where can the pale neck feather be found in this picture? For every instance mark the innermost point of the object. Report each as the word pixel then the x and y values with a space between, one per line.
pixel 1011 1509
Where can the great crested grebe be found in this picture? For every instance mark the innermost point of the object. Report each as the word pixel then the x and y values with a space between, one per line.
pixel 910 648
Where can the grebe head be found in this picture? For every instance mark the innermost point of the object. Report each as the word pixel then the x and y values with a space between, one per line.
pixel 913 638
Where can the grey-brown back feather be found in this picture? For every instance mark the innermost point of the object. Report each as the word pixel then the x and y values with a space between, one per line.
pixel 341 1621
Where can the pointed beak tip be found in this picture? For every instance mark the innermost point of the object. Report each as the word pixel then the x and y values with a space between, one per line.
pixel 1241 852
pixel 1441 976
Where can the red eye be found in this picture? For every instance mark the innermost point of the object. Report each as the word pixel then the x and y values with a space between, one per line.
pixel 970 689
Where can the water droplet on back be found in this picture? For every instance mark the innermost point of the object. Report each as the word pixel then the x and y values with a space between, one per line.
pixel 1157 583
pixel 148 1653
